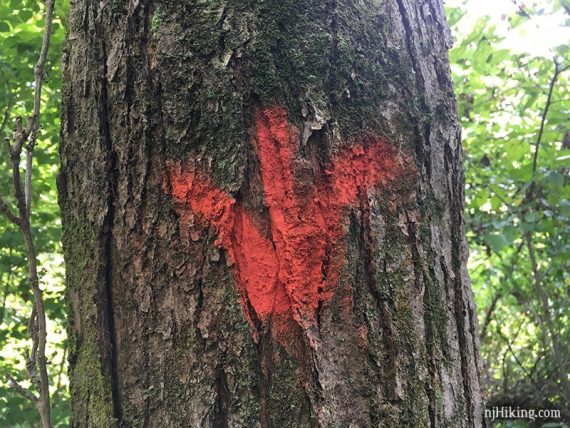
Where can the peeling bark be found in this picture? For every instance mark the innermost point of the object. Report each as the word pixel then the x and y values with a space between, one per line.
pixel 208 288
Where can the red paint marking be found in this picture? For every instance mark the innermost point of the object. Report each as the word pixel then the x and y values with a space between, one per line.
pixel 287 275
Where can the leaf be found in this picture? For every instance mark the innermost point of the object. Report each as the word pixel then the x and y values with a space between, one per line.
pixel 555 179
pixel 531 217
pixel 25 14
pixel 497 242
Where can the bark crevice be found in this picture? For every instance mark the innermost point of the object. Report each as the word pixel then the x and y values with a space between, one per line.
pixel 107 243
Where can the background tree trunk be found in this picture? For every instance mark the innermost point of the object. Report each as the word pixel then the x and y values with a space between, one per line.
pixel 366 317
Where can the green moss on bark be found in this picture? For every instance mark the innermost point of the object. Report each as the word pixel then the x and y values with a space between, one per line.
pixel 89 370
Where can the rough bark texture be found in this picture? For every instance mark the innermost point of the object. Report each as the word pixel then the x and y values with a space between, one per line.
pixel 166 329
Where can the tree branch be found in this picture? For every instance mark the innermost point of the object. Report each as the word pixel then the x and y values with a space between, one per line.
pixel 557 71
pixel 509 344
pixel 489 315
pixel 21 390
pixel 34 120
pixel 5 209
pixel 543 297
pixel 15 152
pixel 6 116
pixel 36 362
pixel 548 322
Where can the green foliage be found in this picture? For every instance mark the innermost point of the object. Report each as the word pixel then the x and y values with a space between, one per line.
pixel 514 209
pixel 21 31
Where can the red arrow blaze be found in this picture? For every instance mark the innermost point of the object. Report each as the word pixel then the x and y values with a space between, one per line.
pixel 284 277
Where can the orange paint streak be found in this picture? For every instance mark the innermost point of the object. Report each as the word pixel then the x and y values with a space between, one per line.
pixel 287 275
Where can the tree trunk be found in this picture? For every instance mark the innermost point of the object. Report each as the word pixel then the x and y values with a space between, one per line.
pixel 262 206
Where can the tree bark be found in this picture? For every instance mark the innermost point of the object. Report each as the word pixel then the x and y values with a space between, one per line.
pixel 262 204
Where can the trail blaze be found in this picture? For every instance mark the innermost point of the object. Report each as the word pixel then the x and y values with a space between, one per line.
pixel 287 275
